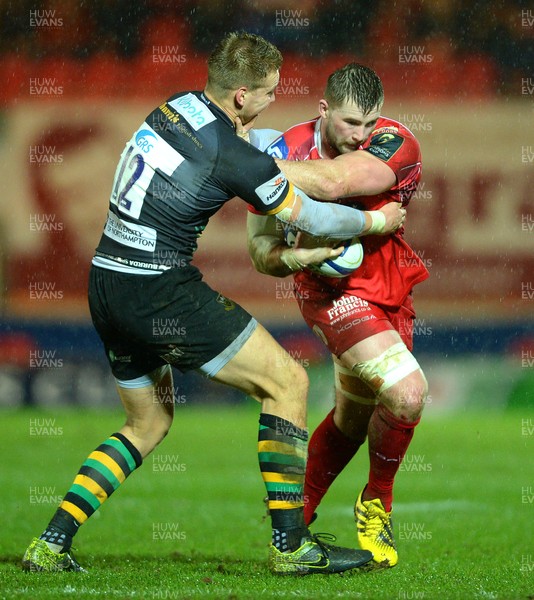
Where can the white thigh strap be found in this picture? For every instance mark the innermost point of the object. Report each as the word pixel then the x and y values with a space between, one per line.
pixel 341 370
pixel 388 368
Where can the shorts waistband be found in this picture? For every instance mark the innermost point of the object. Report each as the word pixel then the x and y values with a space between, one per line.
pixel 132 263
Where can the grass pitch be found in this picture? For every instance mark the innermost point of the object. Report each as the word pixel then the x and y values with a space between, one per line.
pixel 189 523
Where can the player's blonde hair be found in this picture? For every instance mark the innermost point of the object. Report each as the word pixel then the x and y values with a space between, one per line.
pixel 241 59
pixel 355 83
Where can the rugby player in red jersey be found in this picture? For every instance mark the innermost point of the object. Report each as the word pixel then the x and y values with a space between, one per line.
pixel 366 318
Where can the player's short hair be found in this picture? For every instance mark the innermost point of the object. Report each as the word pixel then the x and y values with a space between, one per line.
pixel 355 83
pixel 242 59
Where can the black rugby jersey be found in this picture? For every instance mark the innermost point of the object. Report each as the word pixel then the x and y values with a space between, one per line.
pixel 178 169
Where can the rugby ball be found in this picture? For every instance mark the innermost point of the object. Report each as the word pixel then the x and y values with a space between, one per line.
pixel 341 266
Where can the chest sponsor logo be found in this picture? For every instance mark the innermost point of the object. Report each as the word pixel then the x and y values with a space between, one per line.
pixel 129 234
pixel 195 112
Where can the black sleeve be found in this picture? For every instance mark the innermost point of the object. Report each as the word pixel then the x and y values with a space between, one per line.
pixel 250 174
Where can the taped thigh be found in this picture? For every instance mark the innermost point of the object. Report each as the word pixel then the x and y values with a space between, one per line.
pixel 346 380
pixel 387 369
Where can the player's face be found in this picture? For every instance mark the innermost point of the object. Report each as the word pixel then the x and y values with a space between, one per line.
pixel 346 127
pixel 259 99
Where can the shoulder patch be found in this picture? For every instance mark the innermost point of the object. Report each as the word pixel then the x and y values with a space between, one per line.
pixel 385 145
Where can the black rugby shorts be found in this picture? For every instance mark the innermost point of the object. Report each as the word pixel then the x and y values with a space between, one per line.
pixel 147 321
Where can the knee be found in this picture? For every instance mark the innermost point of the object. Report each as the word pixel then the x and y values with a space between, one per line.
pixel 288 382
pixel 147 433
pixel 146 443
pixel 296 380
pixel 408 399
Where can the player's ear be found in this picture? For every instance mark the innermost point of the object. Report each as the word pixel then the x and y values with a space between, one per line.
pixel 240 96
pixel 323 108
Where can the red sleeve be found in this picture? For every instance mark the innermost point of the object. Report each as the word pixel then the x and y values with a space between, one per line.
pixel 398 148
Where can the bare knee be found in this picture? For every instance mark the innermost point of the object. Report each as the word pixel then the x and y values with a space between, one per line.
pixel 146 435
pixel 407 398
pixel 284 380
pixel 296 380
pixel 289 384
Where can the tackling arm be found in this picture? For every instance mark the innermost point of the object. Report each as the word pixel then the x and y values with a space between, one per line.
pixel 272 256
pixel 335 220
pixel 266 244
pixel 353 174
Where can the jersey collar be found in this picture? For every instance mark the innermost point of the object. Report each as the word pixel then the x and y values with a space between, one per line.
pixel 218 112
pixel 317 137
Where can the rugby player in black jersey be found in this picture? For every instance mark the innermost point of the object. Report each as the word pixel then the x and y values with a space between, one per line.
pixel 152 310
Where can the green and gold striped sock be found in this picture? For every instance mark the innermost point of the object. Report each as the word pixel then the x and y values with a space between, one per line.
pixel 282 451
pixel 99 476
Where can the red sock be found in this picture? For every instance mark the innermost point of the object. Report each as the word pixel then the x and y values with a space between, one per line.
pixel 389 438
pixel 329 451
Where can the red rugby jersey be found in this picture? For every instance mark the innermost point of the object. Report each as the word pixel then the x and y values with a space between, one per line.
pixel 390 267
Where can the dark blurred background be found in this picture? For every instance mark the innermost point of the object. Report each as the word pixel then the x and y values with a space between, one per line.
pixel 493 36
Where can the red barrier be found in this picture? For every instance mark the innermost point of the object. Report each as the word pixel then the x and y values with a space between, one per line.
pixel 164 68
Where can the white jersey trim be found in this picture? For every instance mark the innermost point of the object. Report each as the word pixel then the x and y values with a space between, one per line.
pixel 111 265
pixel 317 138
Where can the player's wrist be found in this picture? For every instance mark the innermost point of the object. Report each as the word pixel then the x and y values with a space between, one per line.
pixel 378 222
pixel 288 258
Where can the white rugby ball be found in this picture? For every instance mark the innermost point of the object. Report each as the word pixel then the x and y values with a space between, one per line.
pixel 341 266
